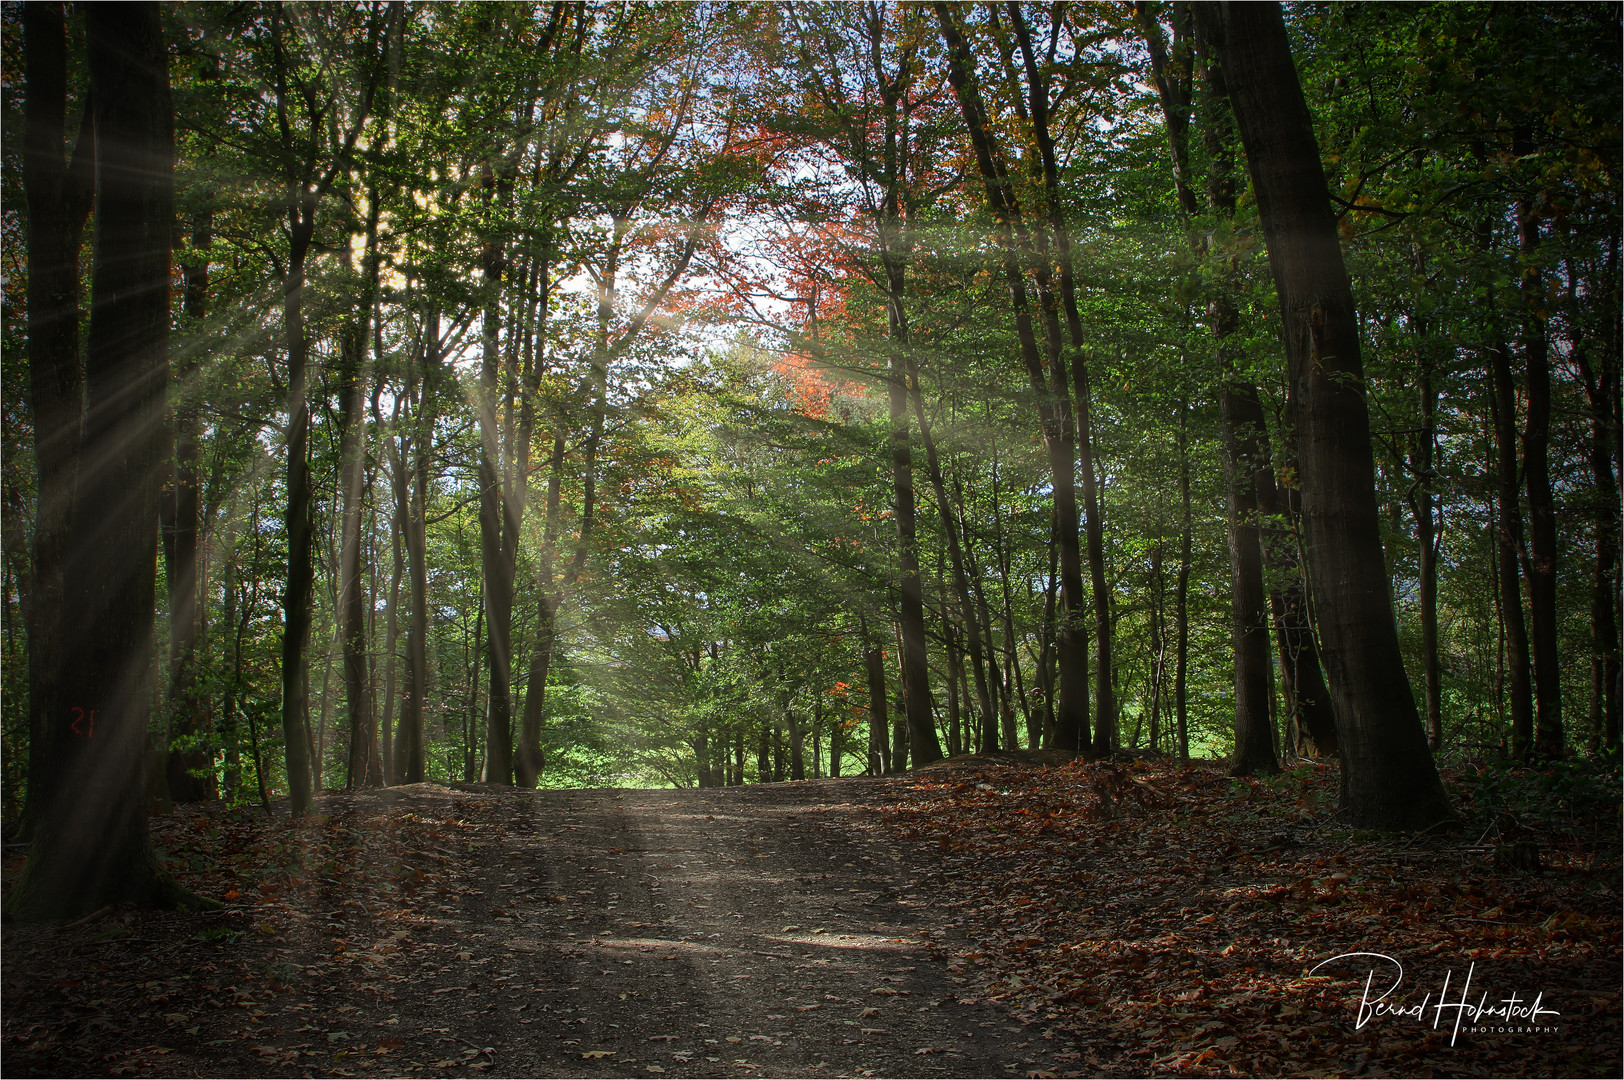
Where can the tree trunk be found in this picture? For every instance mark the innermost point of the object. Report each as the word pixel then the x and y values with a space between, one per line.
pixel 1049 388
pixel 189 772
pixel 58 196
pixel 364 765
pixel 1181 595
pixel 955 552
pixel 416 452
pixel 1427 539
pixel 1158 640
pixel 1604 638
pixel 493 526
pixel 1048 171
pixel 879 747
pixel 1312 720
pixel 1508 548
pixel 391 632
pixel 1242 419
pixel 298 596
pixel 91 847
pixel 1541 504
pixel 1388 777
pixel 1242 437
pixel 797 745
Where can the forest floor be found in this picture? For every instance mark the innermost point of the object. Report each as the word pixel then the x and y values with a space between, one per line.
pixel 984 917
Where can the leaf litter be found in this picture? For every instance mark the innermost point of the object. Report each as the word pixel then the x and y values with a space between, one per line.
pixel 1136 919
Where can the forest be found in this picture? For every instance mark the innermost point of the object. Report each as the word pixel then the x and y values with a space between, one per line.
pixel 584 395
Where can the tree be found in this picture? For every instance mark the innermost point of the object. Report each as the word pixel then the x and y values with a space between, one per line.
pixel 92 847
pixel 1388 777
pixel 59 192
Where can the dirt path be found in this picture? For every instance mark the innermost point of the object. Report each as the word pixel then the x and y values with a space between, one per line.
pixel 764 931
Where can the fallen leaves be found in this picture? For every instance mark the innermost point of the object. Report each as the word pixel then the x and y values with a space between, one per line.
pixel 1152 906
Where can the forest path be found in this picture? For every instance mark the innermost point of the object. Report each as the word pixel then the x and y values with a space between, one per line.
pixel 759 931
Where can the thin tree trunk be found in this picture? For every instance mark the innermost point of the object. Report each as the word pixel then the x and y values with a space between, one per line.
pixel 188 772
pixel 363 762
pixel 1181 594
pixel 1158 640
pixel 879 747
pixel 955 552
pixel 1503 411
pixel 1053 395
pixel 1427 542
pixel 416 452
pixel 1242 419
pixel 391 633
pixel 493 515
pixel 1541 503
pixel 1604 638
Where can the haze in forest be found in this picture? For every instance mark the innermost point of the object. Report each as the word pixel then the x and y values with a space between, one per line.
pixel 579 394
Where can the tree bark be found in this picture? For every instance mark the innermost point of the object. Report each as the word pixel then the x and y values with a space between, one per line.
pixel 1053 396
pixel 365 759
pixel 1080 422
pixel 911 605
pixel 494 526
pixel 1242 419
pixel 1181 594
pixel 1427 539
pixel 879 747
pixel 1604 638
pixel 91 847
pixel 1541 503
pixel 1388 777
pixel 188 772
pixel 416 452
pixel 1508 547
pixel 57 193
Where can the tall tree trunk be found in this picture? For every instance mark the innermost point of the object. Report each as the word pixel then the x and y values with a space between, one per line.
pixel 1047 173
pixel 1508 548
pixel 364 763
pixel 58 195
pixel 955 551
pixel 493 522
pixel 1426 535
pixel 879 746
pixel 1181 594
pixel 391 632
pixel 1052 394
pixel 299 594
pixel 1242 433
pixel 911 608
pixel 1312 721
pixel 531 760
pixel 1388 776
pixel 1158 640
pixel 188 772
pixel 91 846
pixel 1541 503
pixel 1604 639
pixel 1242 419
pixel 528 763
pixel 410 748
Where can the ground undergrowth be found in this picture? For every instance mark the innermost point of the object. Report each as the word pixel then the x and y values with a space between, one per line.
pixel 1179 921
pixel 1038 918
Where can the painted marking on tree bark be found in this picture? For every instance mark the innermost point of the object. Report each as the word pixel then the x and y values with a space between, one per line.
pixel 79 717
